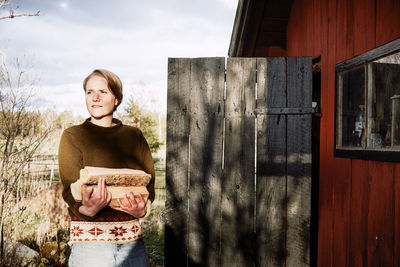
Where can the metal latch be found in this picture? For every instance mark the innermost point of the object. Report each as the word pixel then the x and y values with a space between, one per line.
pixel 287 111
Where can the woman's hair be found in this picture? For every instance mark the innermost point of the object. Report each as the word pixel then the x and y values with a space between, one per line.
pixel 113 82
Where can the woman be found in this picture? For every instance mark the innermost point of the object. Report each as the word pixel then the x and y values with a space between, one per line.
pixel 101 235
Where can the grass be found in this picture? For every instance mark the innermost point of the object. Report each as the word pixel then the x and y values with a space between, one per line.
pixel 33 229
pixel 154 236
pixel 154 228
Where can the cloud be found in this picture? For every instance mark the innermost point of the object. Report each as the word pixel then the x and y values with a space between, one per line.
pixel 39 103
pixel 132 38
pixel 63 97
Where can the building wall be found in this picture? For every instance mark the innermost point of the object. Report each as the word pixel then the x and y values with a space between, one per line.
pixel 359 201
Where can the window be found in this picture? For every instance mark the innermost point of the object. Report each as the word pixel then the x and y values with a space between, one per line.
pixel 368 105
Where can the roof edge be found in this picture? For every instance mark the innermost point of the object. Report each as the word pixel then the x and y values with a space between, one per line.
pixel 236 44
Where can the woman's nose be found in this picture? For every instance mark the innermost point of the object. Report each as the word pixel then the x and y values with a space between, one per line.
pixel 96 96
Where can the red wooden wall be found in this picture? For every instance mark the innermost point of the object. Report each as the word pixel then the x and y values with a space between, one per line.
pixel 359 201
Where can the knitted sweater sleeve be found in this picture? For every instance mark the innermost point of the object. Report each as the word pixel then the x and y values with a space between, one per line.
pixel 148 166
pixel 70 162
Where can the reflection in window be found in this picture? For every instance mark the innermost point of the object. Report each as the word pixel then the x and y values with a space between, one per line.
pixel 368 105
pixel 385 87
pixel 352 116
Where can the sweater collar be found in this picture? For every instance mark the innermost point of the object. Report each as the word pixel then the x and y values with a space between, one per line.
pixel 117 122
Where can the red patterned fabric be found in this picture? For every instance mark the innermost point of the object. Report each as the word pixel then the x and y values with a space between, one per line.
pixel 105 232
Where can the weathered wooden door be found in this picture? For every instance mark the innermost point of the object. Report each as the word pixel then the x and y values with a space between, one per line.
pixel 238 162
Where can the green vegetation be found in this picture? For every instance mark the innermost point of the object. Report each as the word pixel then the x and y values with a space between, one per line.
pixel 153 230
pixel 34 228
pixel 147 121
pixel 29 141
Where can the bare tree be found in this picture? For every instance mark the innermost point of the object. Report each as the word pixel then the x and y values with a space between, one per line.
pixel 12 5
pixel 22 130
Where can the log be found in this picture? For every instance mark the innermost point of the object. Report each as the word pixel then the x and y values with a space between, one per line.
pixel 90 175
pixel 118 192
pixel 118 182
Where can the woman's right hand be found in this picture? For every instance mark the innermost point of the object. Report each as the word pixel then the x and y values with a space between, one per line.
pixel 95 203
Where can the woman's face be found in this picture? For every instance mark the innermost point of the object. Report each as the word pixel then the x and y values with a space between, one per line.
pixel 100 101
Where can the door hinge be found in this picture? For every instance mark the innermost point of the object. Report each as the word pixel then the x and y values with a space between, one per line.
pixel 289 111
pixel 285 111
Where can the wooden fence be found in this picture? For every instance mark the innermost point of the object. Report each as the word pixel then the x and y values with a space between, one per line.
pixel 44 165
pixel 238 166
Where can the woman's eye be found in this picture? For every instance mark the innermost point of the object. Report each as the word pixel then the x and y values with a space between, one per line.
pixel 104 92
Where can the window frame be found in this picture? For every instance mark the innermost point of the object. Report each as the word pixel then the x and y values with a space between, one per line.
pixel 363 60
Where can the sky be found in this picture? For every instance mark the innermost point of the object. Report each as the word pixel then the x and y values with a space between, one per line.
pixel 132 38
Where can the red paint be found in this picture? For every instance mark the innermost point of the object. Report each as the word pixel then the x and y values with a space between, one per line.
pixel 387 21
pixel 380 215
pixel 275 51
pixel 358 228
pixel 358 200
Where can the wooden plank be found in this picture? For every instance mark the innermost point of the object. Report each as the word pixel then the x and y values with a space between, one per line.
pixel 206 126
pixel 337 183
pixel 380 214
pixel 237 235
pixel 308 28
pixel 177 162
pixel 344 30
pixel 316 44
pixel 325 222
pixel 293 36
pixel 387 21
pixel 341 184
pixel 271 161
pixel 358 234
pixel 299 90
pixel 341 191
pixel 303 29
pixel 364 26
pixel 327 178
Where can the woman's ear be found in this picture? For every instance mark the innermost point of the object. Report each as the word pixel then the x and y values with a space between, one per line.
pixel 116 102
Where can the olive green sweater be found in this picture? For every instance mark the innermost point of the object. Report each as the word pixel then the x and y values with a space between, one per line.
pixel 119 146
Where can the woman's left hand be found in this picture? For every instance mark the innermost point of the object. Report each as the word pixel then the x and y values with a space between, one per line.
pixel 136 208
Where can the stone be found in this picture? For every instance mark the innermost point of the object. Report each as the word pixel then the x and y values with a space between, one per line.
pixel 18 254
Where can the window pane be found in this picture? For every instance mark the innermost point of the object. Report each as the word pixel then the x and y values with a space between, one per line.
pixel 351 107
pixel 383 102
pixel 367 105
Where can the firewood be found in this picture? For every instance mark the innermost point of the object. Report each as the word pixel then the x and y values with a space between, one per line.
pixel 118 182
pixel 118 192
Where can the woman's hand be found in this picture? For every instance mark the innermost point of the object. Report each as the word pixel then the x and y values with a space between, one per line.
pixel 95 203
pixel 136 208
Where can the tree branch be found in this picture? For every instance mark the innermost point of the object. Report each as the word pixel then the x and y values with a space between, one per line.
pixel 11 16
pixel 4 3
